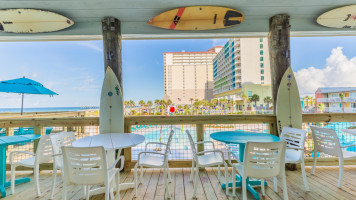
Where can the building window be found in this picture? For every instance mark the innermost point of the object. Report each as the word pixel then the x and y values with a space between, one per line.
pixel 262 78
pixel 261 52
pixel 262 71
pixel 261 39
pixel 261 58
pixel 262 82
pixel 249 93
pixel 261 64
pixel 261 46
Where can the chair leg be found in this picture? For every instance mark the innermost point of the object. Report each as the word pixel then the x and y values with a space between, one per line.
pixel 304 177
pixel 13 169
pixel 107 192
pixel 284 183
pixel 141 175
pixel 165 171
pixel 341 172
pixel 192 172
pixel 118 185
pixel 64 194
pixel 275 180
pixel 233 174
pixel 135 176
pixel 263 187
pixel 226 182
pixel 314 162
pixel 87 189
pixel 37 174
pixel 169 174
pixel 244 192
pixel 219 173
pixel 54 177
pixel 196 181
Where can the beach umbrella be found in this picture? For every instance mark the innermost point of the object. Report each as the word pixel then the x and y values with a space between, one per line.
pixel 24 86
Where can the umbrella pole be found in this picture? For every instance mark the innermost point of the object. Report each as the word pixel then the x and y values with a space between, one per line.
pixel 22 104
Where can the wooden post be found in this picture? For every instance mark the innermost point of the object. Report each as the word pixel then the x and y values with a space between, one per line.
pixel 127 151
pixel 37 130
pixel 112 46
pixel 200 137
pixel 279 51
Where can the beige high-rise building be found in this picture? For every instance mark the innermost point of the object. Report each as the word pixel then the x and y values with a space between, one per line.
pixel 189 75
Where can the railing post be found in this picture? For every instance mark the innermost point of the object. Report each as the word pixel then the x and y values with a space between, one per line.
pixel 128 151
pixel 37 130
pixel 200 137
pixel 272 129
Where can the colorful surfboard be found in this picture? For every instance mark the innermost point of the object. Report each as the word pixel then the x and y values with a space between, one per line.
pixel 198 18
pixel 32 21
pixel 288 109
pixel 343 17
pixel 111 105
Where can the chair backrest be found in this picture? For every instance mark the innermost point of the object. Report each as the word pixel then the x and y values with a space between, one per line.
pixel 192 144
pixel 326 141
pixel 58 140
pixel 44 151
pixel 294 137
pixel 169 143
pixel 85 165
pixel 264 159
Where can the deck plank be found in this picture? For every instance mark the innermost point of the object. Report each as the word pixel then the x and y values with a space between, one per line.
pixel 323 185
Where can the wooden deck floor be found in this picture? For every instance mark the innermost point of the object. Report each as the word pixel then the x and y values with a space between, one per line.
pixel 323 185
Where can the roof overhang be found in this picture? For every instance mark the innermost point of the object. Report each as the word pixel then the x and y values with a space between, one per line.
pixel 134 14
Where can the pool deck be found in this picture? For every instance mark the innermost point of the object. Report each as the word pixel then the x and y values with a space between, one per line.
pixel 323 185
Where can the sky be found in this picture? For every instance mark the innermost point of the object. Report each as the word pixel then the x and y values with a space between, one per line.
pixel 75 69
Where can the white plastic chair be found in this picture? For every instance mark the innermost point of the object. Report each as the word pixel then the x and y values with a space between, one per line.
pixel 326 141
pixel 43 155
pixel 205 159
pixel 261 160
pixel 58 140
pixel 155 160
pixel 295 141
pixel 88 166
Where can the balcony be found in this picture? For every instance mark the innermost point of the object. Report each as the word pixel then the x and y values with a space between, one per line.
pixel 350 99
pixel 326 100
pixel 350 110
pixel 333 109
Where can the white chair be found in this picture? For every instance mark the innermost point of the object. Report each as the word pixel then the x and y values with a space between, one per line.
pixel 326 141
pixel 208 158
pixel 155 160
pixel 261 160
pixel 43 155
pixel 58 140
pixel 295 141
pixel 88 166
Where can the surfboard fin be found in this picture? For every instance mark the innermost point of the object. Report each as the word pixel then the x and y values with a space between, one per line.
pixel 232 18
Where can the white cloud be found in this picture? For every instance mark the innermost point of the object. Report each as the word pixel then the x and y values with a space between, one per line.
pixel 219 42
pixel 338 72
pixel 90 45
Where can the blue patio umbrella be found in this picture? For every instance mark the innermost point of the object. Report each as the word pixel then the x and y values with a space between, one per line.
pixel 24 86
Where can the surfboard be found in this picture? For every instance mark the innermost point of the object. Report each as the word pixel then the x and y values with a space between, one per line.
pixel 343 17
pixel 288 109
pixel 32 21
pixel 111 118
pixel 197 18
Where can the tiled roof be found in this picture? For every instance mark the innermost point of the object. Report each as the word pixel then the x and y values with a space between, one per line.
pixel 335 89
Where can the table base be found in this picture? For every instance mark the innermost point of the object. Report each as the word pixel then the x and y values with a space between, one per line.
pixel 8 184
pixel 249 185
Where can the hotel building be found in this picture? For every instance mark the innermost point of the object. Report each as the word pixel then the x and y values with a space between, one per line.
pixel 336 99
pixel 242 62
pixel 189 75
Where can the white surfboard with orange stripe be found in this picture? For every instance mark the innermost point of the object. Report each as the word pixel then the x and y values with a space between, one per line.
pixel 197 18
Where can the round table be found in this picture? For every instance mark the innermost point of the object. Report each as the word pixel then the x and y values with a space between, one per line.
pixel 241 138
pixel 111 142
pixel 4 142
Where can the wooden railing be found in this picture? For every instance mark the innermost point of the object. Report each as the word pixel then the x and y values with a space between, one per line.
pixel 197 121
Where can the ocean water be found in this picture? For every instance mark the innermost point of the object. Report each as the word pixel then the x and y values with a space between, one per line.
pixel 49 109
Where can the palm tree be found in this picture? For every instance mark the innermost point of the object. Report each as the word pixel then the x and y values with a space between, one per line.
pixel 163 104
pixel 131 103
pixel 255 98
pixel 267 100
pixel 341 95
pixel 169 102
pixel 244 99
pixel 142 104
pixel 126 103
pixel 321 107
pixel 306 99
pixel 149 105
pixel 157 104
pixel 191 101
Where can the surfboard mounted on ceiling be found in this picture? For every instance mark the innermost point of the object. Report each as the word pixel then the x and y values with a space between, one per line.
pixel 198 18
pixel 288 107
pixel 32 21
pixel 343 17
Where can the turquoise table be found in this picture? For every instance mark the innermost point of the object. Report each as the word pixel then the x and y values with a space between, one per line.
pixel 241 138
pixel 4 142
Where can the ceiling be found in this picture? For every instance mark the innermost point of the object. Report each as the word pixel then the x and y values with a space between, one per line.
pixel 134 14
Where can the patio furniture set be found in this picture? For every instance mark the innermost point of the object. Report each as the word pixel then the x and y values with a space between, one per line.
pixel 91 161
